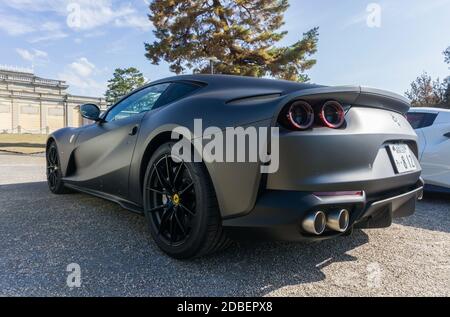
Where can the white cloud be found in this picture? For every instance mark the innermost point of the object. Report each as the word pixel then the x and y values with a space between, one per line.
pixel 83 86
pixel 50 31
pixel 91 14
pixel 138 22
pixel 89 85
pixel 356 19
pixel 116 46
pixel 33 5
pixel 88 14
pixel 363 16
pixel 32 56
pixel 14 26
pixel 25 54
pixel 51 26
pixel 39 53
pixel 83 67
pixel 48 37
pixel 397 10
pixel 92 34
pixel 80 76
pixel 420 8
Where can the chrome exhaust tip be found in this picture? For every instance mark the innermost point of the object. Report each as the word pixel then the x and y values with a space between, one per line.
pixel 338 220
pixel 315 223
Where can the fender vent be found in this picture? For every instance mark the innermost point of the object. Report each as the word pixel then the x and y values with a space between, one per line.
pixel 253 99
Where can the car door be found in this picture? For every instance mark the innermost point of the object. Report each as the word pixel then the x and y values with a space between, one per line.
pixel 176 91
pixel 436 157
pixel 104 150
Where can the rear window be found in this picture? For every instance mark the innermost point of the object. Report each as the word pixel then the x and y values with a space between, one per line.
pixel 420 120
pixel 176 91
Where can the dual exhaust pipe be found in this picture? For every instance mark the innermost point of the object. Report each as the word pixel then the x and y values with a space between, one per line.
pixel 336 220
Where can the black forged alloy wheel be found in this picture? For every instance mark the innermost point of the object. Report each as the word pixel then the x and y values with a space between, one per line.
pixel 172 200
pixel 53 170
pixel 181 207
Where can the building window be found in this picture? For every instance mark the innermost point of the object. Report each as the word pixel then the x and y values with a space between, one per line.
pixel 5 109
pixel 29 109
pixel 57 112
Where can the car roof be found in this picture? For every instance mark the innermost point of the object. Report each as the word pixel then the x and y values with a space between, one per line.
pixel 238 81
pixel 217 81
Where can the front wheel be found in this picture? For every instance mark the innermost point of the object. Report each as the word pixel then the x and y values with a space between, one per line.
pixel 54 176
pixel 181 207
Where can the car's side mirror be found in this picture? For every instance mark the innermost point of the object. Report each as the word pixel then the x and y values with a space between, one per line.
pixel 90 112
pixel 447 135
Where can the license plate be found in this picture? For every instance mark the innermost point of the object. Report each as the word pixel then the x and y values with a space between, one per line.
pixel 403 158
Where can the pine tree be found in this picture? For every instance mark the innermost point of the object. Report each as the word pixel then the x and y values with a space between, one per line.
pixel 447 55
pixel 124 81
pixel 447 80
pixel 425 92
pixel 241 34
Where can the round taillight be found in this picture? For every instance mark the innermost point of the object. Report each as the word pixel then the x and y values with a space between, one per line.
pixel 332 114
pixel 300 115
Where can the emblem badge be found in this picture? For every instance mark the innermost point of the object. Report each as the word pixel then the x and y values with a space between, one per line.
pixel 395 119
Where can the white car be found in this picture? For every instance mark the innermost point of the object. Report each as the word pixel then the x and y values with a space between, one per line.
pixel 433 128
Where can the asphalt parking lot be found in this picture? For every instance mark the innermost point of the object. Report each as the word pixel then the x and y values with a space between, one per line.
pixel 41 234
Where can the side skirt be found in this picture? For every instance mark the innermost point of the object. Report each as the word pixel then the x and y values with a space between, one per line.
pixel 122 202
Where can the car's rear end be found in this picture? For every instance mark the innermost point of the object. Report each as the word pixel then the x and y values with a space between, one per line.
pixel 347 158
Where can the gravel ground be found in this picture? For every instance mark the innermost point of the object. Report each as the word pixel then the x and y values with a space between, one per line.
pixel 40 234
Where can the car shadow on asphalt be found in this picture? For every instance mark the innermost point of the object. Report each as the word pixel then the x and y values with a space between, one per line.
pixel 111 241
pixel 264 267
pixel 432 213
pixel 252 268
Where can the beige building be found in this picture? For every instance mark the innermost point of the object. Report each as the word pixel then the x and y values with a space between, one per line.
pixel 30 104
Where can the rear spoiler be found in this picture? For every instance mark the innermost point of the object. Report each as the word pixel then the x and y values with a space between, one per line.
pixel 353 95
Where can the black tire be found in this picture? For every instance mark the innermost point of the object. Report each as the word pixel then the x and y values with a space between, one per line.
pixel 54 176
pixel 181 209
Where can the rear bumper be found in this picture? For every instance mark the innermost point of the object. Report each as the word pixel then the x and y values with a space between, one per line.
pixel 401 205
pixel 355 158
pixel 278 214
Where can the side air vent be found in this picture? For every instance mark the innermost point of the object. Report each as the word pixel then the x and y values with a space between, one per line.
pixel 253 99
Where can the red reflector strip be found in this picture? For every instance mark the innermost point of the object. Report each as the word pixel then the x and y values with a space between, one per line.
pixel 331 194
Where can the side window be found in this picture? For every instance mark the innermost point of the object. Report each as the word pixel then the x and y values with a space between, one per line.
pixel 420 120
pixel 141 101
pixel 175 92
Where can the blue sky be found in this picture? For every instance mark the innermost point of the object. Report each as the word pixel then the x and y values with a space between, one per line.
pixel 410 39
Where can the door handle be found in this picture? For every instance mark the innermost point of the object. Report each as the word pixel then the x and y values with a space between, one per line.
pixel 134 131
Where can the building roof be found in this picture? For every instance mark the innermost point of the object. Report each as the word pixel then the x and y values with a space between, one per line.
pixel 15 69
pixel 22 75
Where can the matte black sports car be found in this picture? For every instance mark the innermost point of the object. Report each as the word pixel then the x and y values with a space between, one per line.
pixel 347 159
